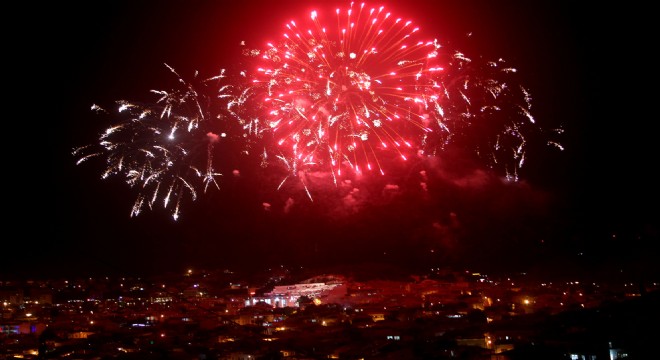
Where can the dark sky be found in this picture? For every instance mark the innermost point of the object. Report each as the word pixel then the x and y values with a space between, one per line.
pixel 592 206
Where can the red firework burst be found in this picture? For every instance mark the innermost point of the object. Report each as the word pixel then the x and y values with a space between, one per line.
pixel 347 94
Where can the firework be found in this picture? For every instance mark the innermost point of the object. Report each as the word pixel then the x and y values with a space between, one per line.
pixel 346 94
pixel 167 149
pixel 351 92
pixel 482 108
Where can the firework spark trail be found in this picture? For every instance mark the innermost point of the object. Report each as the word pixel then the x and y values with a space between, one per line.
pixel 345 96
pixel 166 149
pixel 483 109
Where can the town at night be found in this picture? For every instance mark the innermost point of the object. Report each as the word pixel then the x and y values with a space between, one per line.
pixel 329 180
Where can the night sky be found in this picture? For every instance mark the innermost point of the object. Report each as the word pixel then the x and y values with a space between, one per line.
pixel 592 207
